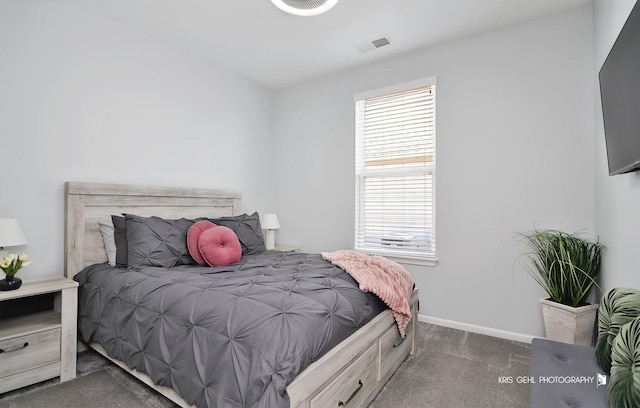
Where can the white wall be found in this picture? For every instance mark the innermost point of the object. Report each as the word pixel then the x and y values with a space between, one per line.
pixel 514 150
pixel 85 98
pixel 617 197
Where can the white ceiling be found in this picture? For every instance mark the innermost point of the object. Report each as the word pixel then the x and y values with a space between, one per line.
pixel 258 41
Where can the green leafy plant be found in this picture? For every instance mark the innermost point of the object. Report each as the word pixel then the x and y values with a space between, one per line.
pixel 623 390
pixel 618 307
pixel 565 265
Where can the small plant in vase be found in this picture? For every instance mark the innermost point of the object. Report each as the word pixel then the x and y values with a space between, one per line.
pixel 10 265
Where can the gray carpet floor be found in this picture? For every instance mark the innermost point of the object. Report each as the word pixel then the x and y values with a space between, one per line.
pixel 451 368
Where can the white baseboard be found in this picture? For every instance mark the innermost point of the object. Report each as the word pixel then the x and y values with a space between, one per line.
pixel 488 331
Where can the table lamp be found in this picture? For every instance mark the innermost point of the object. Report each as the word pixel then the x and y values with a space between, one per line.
pixel 269 223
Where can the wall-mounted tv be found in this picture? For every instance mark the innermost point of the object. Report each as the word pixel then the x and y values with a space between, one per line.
pixel 620 97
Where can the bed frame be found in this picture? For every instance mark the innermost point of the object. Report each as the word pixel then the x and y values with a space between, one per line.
pixel 350 374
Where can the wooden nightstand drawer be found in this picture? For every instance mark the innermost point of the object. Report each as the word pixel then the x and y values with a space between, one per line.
pixel 352 386
pixel 22 353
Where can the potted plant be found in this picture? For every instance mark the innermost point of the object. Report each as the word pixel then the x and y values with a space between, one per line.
pixel 10 265
pixel 567 267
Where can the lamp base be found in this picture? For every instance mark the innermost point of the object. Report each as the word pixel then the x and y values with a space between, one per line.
pixel 270 239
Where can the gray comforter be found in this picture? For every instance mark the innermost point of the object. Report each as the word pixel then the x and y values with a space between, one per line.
pixel 231 336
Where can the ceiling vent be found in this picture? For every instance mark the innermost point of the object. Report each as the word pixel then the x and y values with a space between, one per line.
pixel 305 7
pixel 373 44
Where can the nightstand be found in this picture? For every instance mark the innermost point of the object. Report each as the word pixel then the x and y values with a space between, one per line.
pixel 286 248
pixel 38 346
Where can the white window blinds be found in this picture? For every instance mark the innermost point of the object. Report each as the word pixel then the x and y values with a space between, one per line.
pixel 395 167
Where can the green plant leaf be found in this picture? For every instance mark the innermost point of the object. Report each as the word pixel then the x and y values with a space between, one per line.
pixel 565 265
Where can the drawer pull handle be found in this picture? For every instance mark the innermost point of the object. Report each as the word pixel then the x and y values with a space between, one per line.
pixel 14 348
pixel 353 394
pixel 398 343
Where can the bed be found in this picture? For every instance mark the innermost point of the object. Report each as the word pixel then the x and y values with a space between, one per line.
pixel 350 369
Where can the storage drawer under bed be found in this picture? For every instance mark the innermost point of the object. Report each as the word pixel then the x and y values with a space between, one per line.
pixel 353 385
pixel 394 349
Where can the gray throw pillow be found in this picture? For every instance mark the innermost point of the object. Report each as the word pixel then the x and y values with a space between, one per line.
pixel 120 237
pixel 248 230
pixel 155 241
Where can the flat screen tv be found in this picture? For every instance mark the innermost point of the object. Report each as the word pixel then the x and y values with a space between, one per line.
pixel 620 97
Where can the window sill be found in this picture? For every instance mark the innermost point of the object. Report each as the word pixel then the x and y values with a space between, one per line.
pixel 431 261
pixel 411 261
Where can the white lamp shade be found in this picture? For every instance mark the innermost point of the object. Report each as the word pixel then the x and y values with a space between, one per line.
pixel 10 233
pixel 269 222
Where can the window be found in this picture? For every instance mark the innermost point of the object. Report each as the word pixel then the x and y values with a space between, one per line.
pixel 395 171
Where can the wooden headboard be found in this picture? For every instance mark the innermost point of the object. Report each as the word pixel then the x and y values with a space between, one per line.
pixel 88 203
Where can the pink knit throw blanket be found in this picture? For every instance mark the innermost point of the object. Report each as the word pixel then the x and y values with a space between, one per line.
pixel 390 281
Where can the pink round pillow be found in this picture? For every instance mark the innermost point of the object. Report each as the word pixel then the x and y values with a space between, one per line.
pixel 219 246
pixel 193 235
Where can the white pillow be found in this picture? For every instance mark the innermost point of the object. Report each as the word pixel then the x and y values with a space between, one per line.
pixel 109 241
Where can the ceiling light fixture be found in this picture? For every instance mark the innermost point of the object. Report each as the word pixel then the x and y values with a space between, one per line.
pixel 305 7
